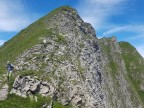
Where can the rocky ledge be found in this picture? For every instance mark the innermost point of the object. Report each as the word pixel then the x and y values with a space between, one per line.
pixel 27 85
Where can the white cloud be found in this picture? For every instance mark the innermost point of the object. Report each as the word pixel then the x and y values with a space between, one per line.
pixel 137 33
pixel 2 42
pixel 114 30
pixel 126 28
pixel 12 15
pixel 97 12
pixel 141 50
pixel 140 36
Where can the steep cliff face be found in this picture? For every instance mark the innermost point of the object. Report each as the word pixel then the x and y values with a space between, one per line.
pixel 134 64
pixel 68 58
pixel 60 57
pixel 117 83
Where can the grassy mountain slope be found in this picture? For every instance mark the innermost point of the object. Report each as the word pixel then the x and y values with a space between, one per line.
pixel 26 39
pixel 123 71
pixel 135 67
pixel 74 60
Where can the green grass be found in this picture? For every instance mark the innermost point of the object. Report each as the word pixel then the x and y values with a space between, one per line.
pixel 23 41
pixel 29 37
pixel 57 104
pixel 14 101
pixel 112 65
pixel 131 56
pixel 60 39
pixel 133 77
pixel 58 10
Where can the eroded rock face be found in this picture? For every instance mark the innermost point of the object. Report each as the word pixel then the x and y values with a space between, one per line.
pixel 71 57
pixel 27 85
pixel 80 68
pixel 119 92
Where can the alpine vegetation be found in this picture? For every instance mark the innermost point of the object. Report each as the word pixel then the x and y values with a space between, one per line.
pixel 58 62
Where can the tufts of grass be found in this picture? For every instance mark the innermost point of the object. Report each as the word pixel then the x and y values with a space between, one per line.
pixel 114 67
pixel 62 9
pixel 14 101
pixel 112 64
pixel 60 39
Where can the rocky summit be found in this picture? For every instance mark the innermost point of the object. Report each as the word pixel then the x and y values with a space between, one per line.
pixel 60 63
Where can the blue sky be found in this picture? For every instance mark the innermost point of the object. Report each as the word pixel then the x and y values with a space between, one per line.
pixel 121 18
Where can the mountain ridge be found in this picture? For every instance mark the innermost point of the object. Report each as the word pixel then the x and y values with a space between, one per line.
pixel 70 66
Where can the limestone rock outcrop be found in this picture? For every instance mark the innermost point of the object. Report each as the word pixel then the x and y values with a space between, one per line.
pixel 65 60
pixel 27 85
pixel 4 92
